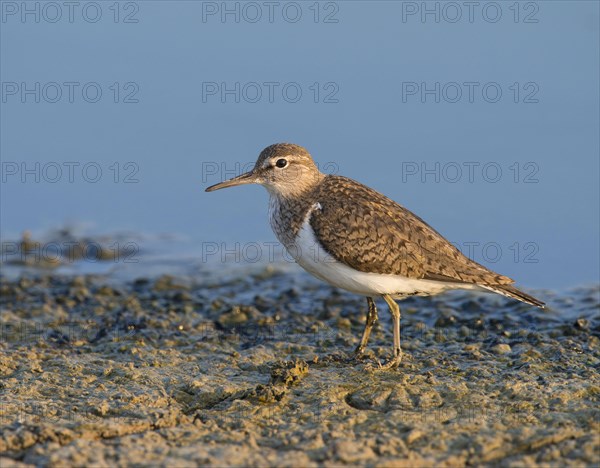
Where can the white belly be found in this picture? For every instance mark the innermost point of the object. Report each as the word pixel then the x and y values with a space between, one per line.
pixel 309 254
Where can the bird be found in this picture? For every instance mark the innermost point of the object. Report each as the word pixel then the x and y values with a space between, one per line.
pixel 357 239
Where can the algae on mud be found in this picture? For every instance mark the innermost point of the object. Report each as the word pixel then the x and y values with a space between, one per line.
pixel 253 370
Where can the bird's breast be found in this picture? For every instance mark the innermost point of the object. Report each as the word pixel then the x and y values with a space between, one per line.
pixel 286 218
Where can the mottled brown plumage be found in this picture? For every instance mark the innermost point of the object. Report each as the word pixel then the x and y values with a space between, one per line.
pixel 387 238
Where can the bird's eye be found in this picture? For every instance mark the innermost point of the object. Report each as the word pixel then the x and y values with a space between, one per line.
pixel 281 163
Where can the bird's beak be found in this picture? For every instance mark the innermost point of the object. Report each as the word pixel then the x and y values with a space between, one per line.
pixel 246 178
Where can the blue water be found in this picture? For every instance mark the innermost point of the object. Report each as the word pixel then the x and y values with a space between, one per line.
pixel 512 178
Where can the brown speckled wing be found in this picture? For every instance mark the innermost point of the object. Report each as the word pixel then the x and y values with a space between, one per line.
pixel 371 233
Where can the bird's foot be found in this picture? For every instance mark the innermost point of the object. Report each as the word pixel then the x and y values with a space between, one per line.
pixel 358 354
pixel 376 365
pixel 393 363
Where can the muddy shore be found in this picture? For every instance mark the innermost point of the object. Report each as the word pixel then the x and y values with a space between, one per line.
pixel 253 370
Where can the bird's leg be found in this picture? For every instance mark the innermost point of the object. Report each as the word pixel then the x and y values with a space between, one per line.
pixel 371 320
pixel 395 310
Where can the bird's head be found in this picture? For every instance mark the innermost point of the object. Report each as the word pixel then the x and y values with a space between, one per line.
pixel 284 169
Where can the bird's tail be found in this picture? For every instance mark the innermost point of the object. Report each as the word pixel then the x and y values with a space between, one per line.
pixel 510 291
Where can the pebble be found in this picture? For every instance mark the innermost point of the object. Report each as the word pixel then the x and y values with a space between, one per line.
pixel 501 348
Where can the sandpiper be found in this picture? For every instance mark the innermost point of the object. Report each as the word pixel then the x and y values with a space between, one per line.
pixel 357 239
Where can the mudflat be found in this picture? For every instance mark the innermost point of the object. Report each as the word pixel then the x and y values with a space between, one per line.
pixel 254 370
